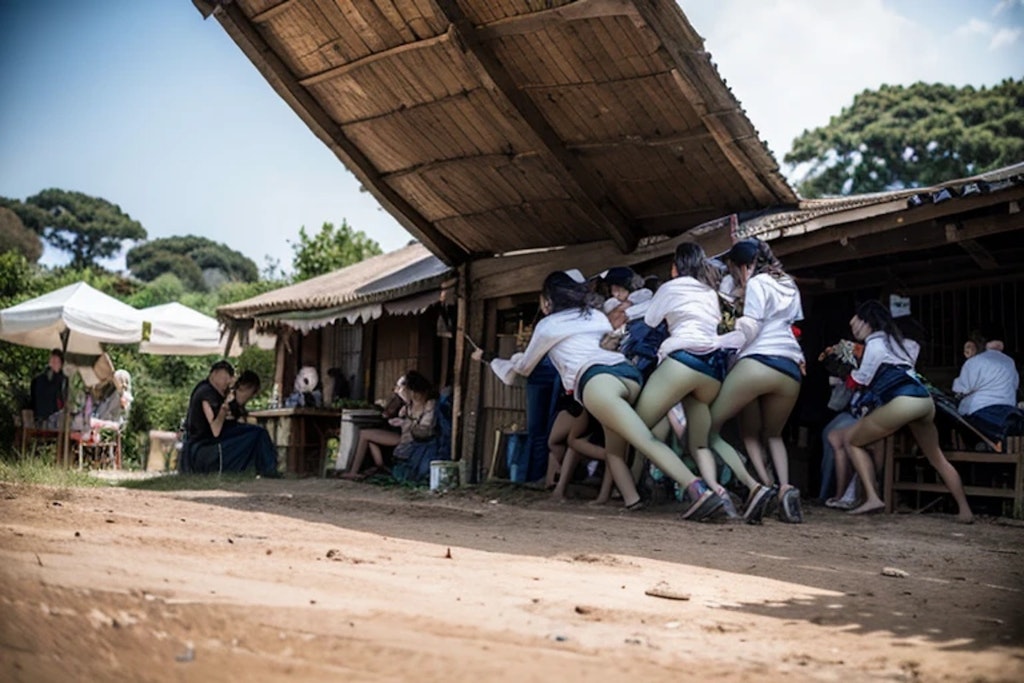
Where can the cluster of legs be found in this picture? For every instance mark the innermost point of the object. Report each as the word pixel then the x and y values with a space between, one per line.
pixel 610 400
pixel 763 399
pixel 916 413
pixel 568 441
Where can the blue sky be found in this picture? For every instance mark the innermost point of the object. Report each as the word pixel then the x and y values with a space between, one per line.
pixel 150 107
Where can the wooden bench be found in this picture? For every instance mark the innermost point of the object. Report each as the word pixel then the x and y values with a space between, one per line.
pixel 900 449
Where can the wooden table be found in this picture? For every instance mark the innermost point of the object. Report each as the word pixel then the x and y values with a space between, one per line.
pixel 300 435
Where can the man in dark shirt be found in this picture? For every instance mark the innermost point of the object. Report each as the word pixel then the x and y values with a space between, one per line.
pixel 209 447
pixel 47 392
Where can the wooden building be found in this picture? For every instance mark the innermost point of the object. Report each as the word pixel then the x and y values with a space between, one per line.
pixel 490 127
pixel 371 321
pixel 515 137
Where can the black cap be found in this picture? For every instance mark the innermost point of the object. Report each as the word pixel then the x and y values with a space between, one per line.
pixel 743 252
pixel 223 365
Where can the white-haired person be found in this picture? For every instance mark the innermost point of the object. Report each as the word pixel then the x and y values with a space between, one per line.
pixel 763 386
pixel 604 382
pixel 885 370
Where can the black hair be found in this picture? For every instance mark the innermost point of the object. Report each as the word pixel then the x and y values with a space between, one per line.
pixel 419 384
pixel 248 378
pixel 58 353
pixel 565 293
pixel 223 365
pixel 690 260
pixel 766 262
pixel 878 317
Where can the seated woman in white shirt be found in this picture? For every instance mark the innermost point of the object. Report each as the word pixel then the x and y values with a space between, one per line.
pixel 763 386
pixel 605 383
pixel 885 369
pixel 987 387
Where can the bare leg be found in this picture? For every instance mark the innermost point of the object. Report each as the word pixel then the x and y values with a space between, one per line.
pixel 568 467
pixel 775 410
pixel 609 399
pixel 558 443
pixel 605 494
pixel 927 438
pixel 876 425
pixel 366 438
pixel 751 432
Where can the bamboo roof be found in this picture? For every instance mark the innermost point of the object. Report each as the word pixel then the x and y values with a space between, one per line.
pixel 490 126
pixel 387 277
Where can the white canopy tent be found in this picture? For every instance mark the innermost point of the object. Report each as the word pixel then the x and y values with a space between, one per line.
pixel 76 318
pixel 177 329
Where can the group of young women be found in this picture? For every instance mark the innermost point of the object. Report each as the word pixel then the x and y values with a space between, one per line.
pixel 751 372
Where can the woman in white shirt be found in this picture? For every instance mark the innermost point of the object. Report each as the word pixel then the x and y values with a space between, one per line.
pixel 604 382
pixel 763 386
pixel 886 370
pixel 691 360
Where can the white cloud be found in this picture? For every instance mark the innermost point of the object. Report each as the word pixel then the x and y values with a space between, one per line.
pixel 1005 5
pixel 1004 37
pixel 974 27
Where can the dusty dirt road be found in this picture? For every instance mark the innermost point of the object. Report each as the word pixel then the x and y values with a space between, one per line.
pixel 317 579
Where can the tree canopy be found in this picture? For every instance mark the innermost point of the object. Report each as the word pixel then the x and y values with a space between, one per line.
pixel 14 236
pixel 330 249
pixel 89 228
pixel 197 261
pixel 898 137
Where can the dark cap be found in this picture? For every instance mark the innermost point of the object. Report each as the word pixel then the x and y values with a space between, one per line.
pixel 223 365
pixel 620 275
pixel 743 252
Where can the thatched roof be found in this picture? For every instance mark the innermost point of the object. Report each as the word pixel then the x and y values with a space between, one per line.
pixel 493 126
pixel 389 277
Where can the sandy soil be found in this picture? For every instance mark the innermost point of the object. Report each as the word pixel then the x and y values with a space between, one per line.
pixel 317 579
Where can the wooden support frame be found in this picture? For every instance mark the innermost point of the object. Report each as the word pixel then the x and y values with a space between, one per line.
pixel 250 40
pixel 583 185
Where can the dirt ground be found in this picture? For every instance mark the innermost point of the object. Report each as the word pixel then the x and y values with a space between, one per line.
pixel 316 579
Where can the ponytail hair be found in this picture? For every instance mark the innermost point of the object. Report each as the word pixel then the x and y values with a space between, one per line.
pixel 691 261
pixel 564 293
pixel 765 261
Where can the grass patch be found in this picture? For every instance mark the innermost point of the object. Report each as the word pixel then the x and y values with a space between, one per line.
pixel 37 471
pixel 189 482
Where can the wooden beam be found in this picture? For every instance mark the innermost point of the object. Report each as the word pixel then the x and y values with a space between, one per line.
pixel 638 141
pixel 342 70
pixel 474 386
pixel 582 183
pixel 699 81
pixel 459 371
pixel 524 273
pixel 545 20
pixel 271 12
pixel 982 256
pixel 887 235
pixel 284 82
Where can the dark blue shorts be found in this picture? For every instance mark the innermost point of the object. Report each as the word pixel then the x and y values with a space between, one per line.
pixel 787 367
pixel 711 364
pixel 620 370
pixel 893 380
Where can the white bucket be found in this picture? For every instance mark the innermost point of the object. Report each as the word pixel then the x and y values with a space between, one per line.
pixel 444 475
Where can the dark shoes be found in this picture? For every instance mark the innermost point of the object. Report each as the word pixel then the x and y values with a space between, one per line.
pixel 789 507
pixel 759 497
pixel 701 501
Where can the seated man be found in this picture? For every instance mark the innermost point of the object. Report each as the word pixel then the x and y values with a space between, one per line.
pixel 210 445
pixel 987 387
pixel 47 391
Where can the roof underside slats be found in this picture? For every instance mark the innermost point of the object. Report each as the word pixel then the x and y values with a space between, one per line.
pixel 493 126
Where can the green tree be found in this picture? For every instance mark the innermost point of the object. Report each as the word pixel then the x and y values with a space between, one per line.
pixel 14 236
pixel 897 137
pixel 330 249
pixel 199 262
pixel 89 228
